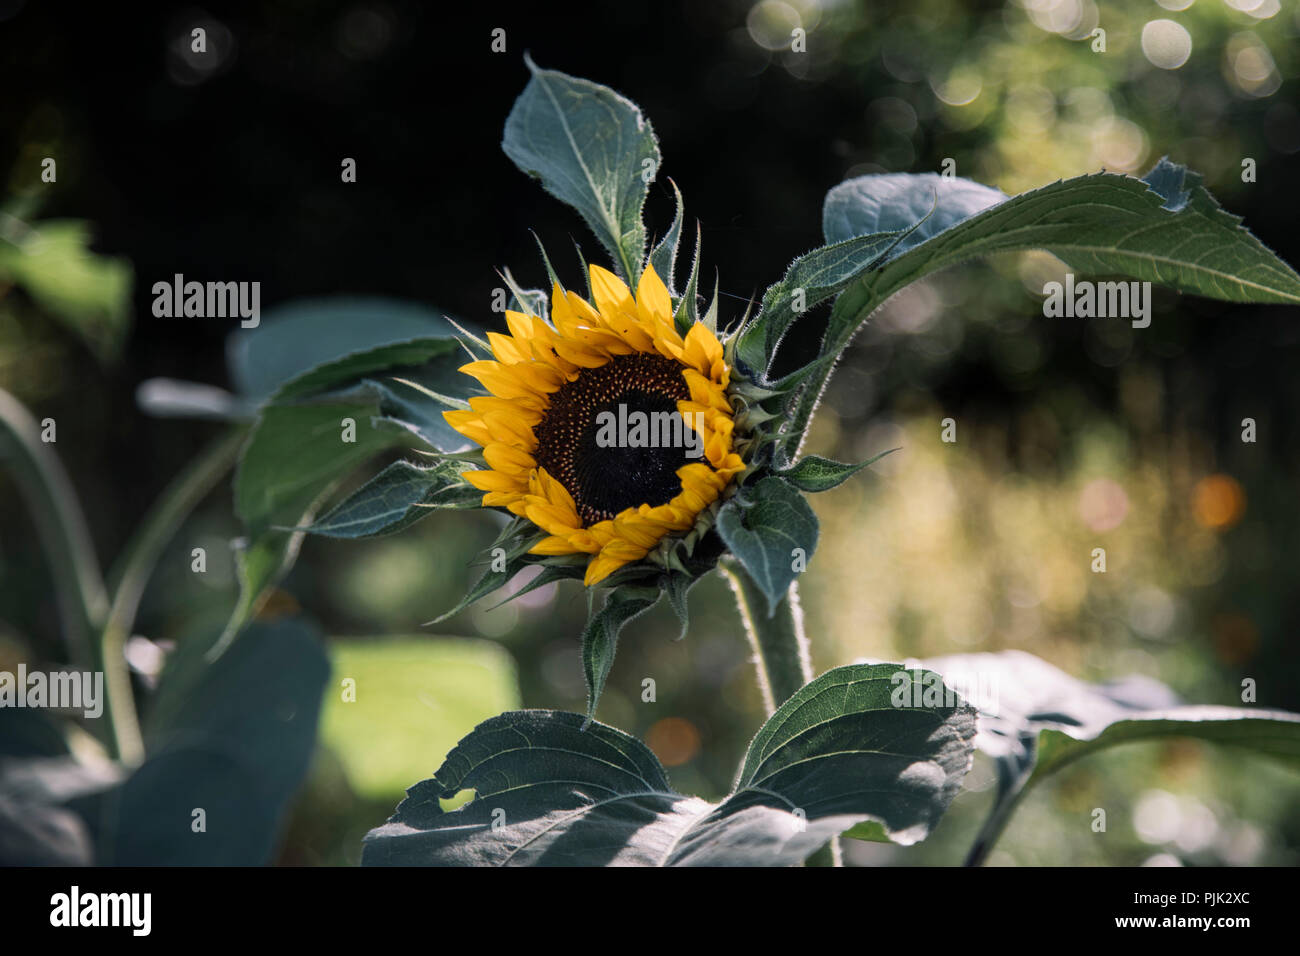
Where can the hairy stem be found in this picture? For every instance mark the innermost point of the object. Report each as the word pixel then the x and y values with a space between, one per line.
pixel 135 566
pixel 997 821
pixel 61 527
pixel 780 656
pixel 780 647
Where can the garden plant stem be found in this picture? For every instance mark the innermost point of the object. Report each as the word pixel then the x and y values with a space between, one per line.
pixel 780 656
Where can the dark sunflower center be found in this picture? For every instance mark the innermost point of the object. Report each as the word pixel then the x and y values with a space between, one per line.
pixel 613 436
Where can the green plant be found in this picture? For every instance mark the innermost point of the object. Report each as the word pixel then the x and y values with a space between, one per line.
pixel 872 751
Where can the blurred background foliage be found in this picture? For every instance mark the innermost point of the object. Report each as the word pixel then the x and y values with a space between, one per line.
pixel 1071 435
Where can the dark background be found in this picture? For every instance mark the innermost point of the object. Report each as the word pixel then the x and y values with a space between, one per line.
pixel 231 172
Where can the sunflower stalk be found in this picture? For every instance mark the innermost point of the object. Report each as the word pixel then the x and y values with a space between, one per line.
pixel 781 656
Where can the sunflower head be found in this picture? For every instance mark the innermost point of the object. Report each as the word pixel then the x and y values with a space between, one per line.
pixel 606 428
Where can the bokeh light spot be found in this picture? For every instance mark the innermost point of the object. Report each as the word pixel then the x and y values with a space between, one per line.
pixel 1218 502
pixel 1166 44
pixel 674 740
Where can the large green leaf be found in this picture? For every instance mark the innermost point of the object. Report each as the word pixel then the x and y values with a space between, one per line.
pixel 920 204
pixel 847 748
pixel 296 453
pixel 1035 718
pixel 396 498
pixel 414 399
pixel 591 148
pixel 1164 228
pixel 413 352
pixel 294 456
pixel 768 527
pixel 237 749
pixel 295 338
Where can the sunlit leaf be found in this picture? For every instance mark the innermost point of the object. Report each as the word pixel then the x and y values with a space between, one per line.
pixel 552 789
pixel 1035 718
pixel 813 473
pixel 396 498
pixel 592 149
pixel 769 528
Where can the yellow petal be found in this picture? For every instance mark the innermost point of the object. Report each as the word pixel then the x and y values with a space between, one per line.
pixel 507 460
pixel 610 294
pixel 702 349
pixel 582 355
pixel 520 325
pixel 488 480
pixel 555 544
pixel 553 518
pixel 483 404
pixel 637 531
pixel 506 349
pixel 470 424
pixel 510 431
pixel 612 557
pixel 500 380
pixel 652 299
pixel 704 391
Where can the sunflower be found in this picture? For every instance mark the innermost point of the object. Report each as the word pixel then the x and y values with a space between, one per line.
pixel 551 383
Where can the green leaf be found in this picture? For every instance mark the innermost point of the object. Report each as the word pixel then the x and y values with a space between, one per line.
pixel 1035 718
pixel 677 587
pixel 297 451
pixel 293 339
pixel 811 279
pixel 89 293
pixel 413 399
pixel 664 255
pixel 592 149
pixel 396 498
pixel 814 473
pixel 763 527
pixel 600 636
pixel 492 579
pixel 238 747
pixel 553 789
pixel 1270 733
pixel 687 312
pixel 1164 228
pixel 922 204
pixel 174 398
pixel 355 365
pixel 900 734
pixel 294 456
